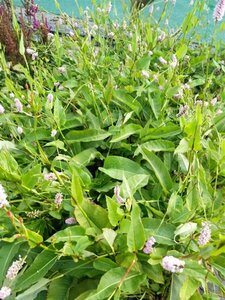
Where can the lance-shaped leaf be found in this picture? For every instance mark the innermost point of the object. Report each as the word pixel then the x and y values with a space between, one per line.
pixel 40 266
pixel 115 278
pixel 119 167
pixel 86 135
pixel 76 188
pixel 136 235
pixel 159 169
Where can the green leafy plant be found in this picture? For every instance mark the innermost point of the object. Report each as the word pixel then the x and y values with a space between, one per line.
pixel 112 164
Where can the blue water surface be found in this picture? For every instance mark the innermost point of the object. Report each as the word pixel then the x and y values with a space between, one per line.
pixel 176 14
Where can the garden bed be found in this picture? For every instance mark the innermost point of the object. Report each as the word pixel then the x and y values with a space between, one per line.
pixel 112 161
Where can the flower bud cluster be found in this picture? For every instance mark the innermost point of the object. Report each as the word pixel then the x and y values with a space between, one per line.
pixel 50 176
pixel 182 110
pixel 15 268
pixel 5 292
pixel 34 214
pixel 219 11
pixel 58 199
pixel 18 105
pixel 12 272
pixel 70 221
pixel 3 197
pixel 162 60
pixel 119 199
pixel 149 245
pixel 205 234
pixel 174 62
pixel 173 264
pixel 32 52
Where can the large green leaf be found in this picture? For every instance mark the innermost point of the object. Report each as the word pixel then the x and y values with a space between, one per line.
pixel 175 286
pixel 181 51
pixel 32 292
pixel 115 278
pixel 199 81
pixel 163 132
pixel 176 210
pixel 197 271
pixel 125 132
pixel 21 45
pixel 118 167
pixel 90 214
pixel 7 253
pixel 30 177
pixel 87 135
pixel 136 235
pixel 133 183
pixel 104 264
pixel 115 213
pixel 82 268
pixel 194 196
pixel 124 100
pixel 153 272
pixel 41 133
pixel 85 295
pixel 155 103
pixel 83 288
pixel 57 144
pixel 219 263
pixel 33 238
pixel 157 145
pixel 189 287
pixel 58 288
pixel 76 188
pixel 143 62
pixel 76 269
pixel 163 232
pixel 159 169
pixel 39 267
pixel 70 234
pixel 83 158
pixel 59 113
pixel 193 130
pixel 9 168
pixel 110 236
pixel 196 296
pixel 219 122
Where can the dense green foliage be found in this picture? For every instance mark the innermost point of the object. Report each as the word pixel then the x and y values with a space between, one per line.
pixel 105 111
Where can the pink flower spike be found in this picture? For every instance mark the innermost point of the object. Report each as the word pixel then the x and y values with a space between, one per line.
pixel 50 177
pixel 219 11
pixel 5 292
pixel 15 268
pixel 119 199
pixel 162 60
pixel 149 245
pixel 19 105
pixel 173 264
pixel 58 199
pixel 205 234
pixel 50 98
pixel 70 221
